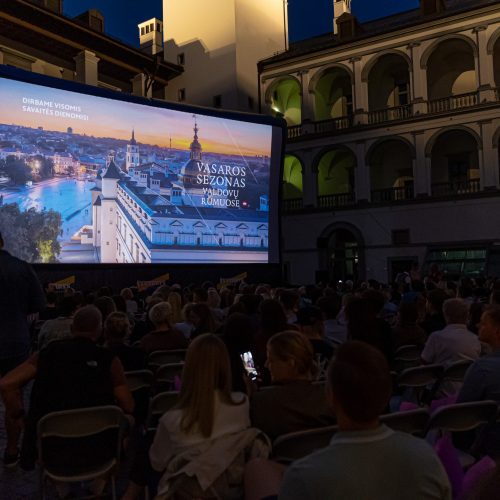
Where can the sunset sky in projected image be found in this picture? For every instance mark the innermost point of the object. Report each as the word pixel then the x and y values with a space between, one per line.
pixel 116 119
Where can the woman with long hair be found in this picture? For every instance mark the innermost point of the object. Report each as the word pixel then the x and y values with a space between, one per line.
pixel 294 402
pixel 209 423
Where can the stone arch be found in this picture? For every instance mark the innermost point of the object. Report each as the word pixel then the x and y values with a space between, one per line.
pixel 432 141
pixel 496 138
pixel 341 251
pixel 454 155
pixel 321 71
pixel 334 168
pixel 293 169
pixel 430 50
pixel 289 103
pixel 365 73
pixel 381 140
pixel 333 92
pixel 327 149
pixel 490 47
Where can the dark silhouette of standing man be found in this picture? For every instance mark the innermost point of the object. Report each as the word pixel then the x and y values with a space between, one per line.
pixel 20 295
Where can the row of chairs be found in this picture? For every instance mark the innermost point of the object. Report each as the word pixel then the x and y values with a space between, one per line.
pixel 453 418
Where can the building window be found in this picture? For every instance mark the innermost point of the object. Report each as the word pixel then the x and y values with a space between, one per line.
pixel 217 101
pixel 158 27
pixel 143 32
pixel 181 60
pixel 250 102
pixel 152 27
pixel 147 28
pixel 400 236
pixel 402 94
pixel 181 95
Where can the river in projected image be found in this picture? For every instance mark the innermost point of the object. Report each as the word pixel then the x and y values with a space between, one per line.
pixel 67 196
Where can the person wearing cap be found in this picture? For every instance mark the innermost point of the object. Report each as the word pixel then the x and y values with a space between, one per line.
pixel 21 295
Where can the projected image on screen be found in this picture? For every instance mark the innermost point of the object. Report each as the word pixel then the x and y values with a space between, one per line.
pixel 86 179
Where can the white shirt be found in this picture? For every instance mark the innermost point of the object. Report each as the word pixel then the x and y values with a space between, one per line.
pixel 453 343
pixel 170 440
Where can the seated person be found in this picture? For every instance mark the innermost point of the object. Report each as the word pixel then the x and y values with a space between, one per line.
pixel 208 430
pixel 69 373
pixel 293 403
pixel 482 380
pixel 310 323
pixel 163 337
pixel 335 331
pixel 60 327
pixel 365 460
pixel 407 331
pixel 116 332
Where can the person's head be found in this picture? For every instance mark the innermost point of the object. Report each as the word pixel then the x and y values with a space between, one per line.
pixel 435 300
pixel 330 306
pixel 127 294
pixel 120 303
pixel 290 356
pixel 272 317
pixel 455 311
pixel 289 300
pixel 489 326
pixel 51 298
pixel 175 302
pixel 117 327
pixel 238 332
pixel 206 373
pixel 66 307
pixel 495 297
pixel 105 305
pixel 160 314
pixel 87 323
pixel 375 298
pixel 310 321
pixel 408 313
pixel 200 296
pixel 359 385
pixel 202 318
pixel 213 298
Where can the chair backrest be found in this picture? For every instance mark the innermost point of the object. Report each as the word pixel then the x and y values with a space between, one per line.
pixel 139 379
pixel 295 445
pixel 165 376
pixel 463 416
pixel 408 353
pixel 64 434
pixel 457 370
pixel 159 358
pixel 411 422
pixel 420 376
pixel 160 404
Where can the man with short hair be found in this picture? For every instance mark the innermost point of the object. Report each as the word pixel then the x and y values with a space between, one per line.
pixel 454 342
pixel 365 459
pixel 20 295
pixel 69 373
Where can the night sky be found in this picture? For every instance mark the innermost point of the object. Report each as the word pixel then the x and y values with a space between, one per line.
pixel 122 17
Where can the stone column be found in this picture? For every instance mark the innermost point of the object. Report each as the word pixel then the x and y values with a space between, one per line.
pixel 360 93
pixel 86 68
pixel 362 174
pixel 420 173
pixel 484 66
pixel 418 77
pixel 488 157
pixel 139 86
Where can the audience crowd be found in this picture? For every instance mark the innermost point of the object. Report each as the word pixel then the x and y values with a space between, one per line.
pixel 261 362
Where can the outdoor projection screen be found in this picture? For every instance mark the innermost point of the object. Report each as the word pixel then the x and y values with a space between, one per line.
pixel 92 176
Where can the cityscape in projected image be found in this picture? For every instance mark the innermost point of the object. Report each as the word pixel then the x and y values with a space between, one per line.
pixel 89 195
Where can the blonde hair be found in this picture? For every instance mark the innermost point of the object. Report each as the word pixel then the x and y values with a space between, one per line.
pixel 292 345
pixel 175 301
pixel 207 371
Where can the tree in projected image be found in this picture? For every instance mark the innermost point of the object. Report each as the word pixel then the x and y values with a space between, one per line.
pixel 16 169
pixel 31 235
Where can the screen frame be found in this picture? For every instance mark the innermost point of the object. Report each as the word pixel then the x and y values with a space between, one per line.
pixel 278 141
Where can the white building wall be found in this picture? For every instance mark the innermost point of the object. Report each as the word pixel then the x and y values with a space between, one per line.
pixel 108 230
